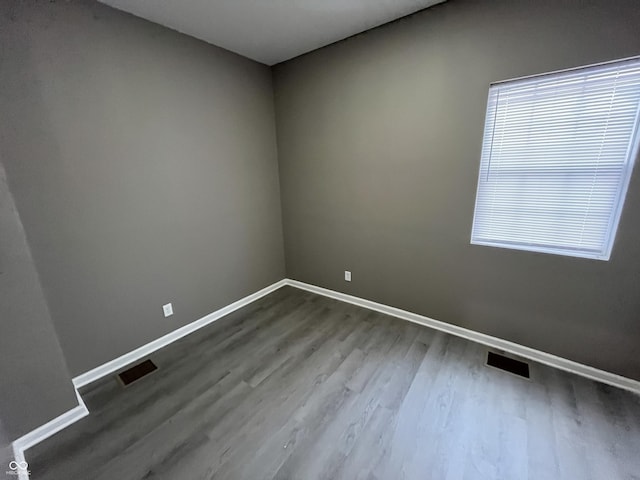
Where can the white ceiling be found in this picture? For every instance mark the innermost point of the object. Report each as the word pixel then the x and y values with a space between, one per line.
pixel 271 31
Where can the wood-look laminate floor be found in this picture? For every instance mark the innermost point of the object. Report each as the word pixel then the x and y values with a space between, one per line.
pixel 298 386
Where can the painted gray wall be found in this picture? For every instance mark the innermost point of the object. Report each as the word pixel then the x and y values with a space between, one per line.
pixel 143 163
pixel 35 385
pixel 379 141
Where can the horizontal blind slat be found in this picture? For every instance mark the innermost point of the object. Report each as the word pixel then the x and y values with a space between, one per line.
pixel 556 158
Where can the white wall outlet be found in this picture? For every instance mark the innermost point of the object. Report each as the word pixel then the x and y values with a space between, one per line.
pixel 347 276
pixel 167 309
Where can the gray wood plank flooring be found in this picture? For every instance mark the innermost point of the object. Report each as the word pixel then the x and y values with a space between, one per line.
pixel 298 386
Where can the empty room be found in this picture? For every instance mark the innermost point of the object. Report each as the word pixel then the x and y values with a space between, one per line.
pixel 340 239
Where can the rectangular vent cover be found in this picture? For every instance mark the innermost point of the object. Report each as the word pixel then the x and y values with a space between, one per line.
pixel 137 372
pixel 508 364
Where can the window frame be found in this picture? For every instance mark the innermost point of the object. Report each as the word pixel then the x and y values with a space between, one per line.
pixel 633 151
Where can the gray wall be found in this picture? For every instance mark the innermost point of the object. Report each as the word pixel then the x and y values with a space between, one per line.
pixel 35 385
pixel 143 163
pixel 379 141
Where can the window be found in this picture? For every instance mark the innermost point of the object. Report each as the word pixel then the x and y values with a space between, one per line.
pixel 557 156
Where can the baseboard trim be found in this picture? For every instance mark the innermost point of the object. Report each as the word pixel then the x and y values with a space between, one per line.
pixel 488 340
pixel 147 349
pixel 45 431
pixel 68 418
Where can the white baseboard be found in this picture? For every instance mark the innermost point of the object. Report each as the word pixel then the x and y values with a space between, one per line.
pixel 494 342
pixel 50 428
pixel 145 350
pixel 75 414
pixel 45 431
pixel 18 456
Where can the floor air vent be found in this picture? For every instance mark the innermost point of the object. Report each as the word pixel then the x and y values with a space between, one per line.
pixel 508 364
pixel 137 372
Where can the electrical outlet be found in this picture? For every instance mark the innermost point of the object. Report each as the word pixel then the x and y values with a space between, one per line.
pixel 167 309
pixel 347 276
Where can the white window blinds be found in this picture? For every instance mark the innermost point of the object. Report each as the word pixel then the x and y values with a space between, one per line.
pixel 557 155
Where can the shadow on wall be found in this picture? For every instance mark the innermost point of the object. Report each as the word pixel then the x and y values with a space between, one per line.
pixel 35 388
pixel 116 133
pixel 6 453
